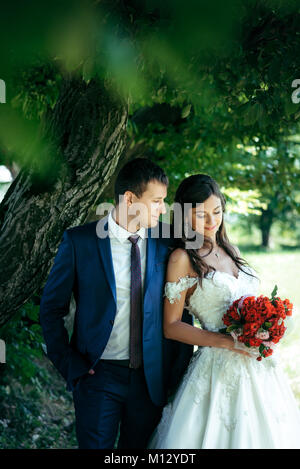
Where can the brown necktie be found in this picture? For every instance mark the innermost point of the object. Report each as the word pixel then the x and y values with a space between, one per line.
pixel 136 306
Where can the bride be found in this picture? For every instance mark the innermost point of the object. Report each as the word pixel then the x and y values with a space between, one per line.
pixel 227 399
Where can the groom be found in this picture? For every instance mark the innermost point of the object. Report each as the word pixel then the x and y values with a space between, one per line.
pixel 117 362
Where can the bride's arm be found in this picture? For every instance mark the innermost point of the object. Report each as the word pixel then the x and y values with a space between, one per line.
pixel 174 328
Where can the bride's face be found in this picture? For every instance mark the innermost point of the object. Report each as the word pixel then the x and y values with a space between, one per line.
pixel 207 217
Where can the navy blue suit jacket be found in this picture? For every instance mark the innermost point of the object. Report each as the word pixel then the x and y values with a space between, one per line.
pixel 83 265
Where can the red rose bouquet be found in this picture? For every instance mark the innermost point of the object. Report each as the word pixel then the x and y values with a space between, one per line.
pixel 258 323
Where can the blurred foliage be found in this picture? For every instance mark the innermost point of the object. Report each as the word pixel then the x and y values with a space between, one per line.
pixel 36 89
pixel 23 342
pixel 231 64
pixel 244 231
pixel 208 84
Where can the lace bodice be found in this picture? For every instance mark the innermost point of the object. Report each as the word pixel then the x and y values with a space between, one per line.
pixel 219 289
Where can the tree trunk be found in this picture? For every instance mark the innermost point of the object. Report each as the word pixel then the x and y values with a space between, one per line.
pixel 265 224
pixel 87 128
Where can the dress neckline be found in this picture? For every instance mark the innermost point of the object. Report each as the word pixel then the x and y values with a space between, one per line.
pixel 226 273
pixel 213 272
pixel 210 272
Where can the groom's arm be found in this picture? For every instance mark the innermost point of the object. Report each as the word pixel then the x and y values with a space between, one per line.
pixel 177 354
pixel 54 306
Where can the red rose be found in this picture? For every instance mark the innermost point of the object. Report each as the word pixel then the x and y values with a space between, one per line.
pixel 254 342
pixel 288 307
pixel 267 352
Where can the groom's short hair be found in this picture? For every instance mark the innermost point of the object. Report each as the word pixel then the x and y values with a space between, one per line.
pixel 135 175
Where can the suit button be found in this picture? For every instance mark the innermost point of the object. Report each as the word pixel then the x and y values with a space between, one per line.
pixel 112 322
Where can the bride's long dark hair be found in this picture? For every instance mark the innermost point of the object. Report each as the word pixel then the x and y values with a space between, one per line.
pixel 197 189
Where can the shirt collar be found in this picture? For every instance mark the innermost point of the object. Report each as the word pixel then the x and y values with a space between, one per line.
pixel 121 233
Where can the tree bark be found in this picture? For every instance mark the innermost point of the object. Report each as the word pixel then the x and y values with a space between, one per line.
pixel 265 224
pixel 87 135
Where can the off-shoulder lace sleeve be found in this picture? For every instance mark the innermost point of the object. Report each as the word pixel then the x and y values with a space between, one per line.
pixel 173 289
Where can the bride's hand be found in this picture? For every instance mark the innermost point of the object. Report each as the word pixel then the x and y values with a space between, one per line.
pixel 237 347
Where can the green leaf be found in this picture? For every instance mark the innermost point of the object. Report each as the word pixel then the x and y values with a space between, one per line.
pixel 252 113
pixel 274 292
pixel 233 327
pixel 267 325
pixel 186 111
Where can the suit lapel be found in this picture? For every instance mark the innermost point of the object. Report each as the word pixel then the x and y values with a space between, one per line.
pixel 150 258
pixel 106 256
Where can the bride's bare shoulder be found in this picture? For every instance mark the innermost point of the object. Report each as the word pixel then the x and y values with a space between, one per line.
pixel 179 256
pixel 179 265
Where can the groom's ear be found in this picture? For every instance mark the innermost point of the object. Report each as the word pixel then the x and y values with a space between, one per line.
pixel 128 198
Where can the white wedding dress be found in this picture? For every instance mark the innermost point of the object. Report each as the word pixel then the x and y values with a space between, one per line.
pixel 227 400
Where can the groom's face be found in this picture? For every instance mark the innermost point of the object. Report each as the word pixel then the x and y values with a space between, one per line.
pixel 151 204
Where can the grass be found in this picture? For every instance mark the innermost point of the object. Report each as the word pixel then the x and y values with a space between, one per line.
pixel 37 415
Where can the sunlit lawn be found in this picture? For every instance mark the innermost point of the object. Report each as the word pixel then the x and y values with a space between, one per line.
pixel 282 268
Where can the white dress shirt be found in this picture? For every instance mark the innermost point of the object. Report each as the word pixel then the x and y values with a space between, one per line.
pixel 117 347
